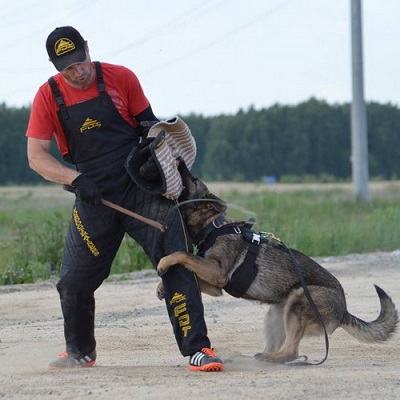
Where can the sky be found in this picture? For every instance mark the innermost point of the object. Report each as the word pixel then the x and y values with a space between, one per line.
pixel 210 57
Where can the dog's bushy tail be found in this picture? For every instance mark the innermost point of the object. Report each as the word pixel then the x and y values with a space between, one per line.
pixel 376 331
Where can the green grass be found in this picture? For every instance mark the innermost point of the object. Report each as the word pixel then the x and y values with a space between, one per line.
pixel 32 232
pixel 323 223
pixel 318 223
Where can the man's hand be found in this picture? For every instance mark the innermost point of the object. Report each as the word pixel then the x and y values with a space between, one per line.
pixel 149 169
pixel 87 190
pixel 144 127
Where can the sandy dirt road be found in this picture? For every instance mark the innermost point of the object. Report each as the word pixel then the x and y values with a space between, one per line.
pixel 138 357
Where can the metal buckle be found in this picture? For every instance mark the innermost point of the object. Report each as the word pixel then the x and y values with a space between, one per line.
pixel 256 238
pixel 237 229
pixel 215 221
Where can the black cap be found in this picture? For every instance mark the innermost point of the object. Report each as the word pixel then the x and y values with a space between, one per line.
pixel 65 46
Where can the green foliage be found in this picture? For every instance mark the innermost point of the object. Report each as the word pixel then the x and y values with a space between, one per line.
pixel 311 138
pixel 14 169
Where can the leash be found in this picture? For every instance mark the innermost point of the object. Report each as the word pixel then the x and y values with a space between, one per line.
pixel 314 308
pixel 303 284
pixel 177 205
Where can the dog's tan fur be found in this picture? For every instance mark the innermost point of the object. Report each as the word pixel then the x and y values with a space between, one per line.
pixel 290 316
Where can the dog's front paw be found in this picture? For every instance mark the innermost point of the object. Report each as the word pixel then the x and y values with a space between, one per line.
pixel 163 266
pixel 160 291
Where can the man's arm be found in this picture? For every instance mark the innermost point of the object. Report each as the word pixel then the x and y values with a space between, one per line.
pixel 42 162
pixel 146 119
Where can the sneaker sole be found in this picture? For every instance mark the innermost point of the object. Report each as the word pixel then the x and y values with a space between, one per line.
pixel 211 367
pixel 86 365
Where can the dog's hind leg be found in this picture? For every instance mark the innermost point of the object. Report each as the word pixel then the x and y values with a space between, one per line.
pixel 274 328
pixel 292 324
pixel 289 350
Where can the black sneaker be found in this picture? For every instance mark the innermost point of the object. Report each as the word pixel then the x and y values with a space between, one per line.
pixel 205 360
pixel 65 361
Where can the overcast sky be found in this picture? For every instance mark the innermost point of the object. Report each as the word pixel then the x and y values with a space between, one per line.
pixel 210 56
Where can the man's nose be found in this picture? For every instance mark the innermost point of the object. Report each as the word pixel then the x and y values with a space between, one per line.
pixel 77 69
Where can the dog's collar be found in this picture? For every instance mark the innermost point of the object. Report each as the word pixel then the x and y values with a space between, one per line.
pixel 226 229
pixel 214 224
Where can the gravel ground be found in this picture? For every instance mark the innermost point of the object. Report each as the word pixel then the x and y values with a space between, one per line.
pixel 138 357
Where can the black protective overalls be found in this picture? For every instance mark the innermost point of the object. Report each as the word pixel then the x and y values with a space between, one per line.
pixel 99 140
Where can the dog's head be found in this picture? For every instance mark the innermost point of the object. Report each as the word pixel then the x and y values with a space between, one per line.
pixel 197 214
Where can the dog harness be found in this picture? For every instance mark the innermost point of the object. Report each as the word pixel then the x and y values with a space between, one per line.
pixel 245 274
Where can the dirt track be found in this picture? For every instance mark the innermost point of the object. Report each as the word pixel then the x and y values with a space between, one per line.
pixel 138 358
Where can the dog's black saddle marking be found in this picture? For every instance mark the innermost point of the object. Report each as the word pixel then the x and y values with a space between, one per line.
pixel 245 274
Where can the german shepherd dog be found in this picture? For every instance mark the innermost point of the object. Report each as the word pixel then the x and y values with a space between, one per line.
pixel 290 316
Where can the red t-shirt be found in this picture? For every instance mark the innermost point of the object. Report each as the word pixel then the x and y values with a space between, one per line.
pixel 121 84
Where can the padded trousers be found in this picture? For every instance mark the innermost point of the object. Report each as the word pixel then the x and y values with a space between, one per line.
pixel 93 239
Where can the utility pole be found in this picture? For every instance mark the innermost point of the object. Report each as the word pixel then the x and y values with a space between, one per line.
pixel 359 138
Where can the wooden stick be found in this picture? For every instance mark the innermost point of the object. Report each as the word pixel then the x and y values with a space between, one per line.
pixel 125 211
pixel 148 221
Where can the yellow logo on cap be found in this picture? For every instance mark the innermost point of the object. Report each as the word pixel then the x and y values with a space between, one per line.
pixel 63 46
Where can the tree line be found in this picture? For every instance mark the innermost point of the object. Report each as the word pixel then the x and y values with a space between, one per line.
pixel 312 138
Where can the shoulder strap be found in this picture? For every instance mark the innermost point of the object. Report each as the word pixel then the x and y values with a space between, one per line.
pixel 59 99
pixel 100 80
pixel 100 83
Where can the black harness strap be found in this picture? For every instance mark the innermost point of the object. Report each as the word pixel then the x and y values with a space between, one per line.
pixel 59 99
pixel 212 236
pixel 204 234
pixel 100 80
pixel 100 84
pixel 245 274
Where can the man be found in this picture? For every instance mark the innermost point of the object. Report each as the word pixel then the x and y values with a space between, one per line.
pixel 94 111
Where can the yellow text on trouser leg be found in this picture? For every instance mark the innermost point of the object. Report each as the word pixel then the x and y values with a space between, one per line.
pixel 180 312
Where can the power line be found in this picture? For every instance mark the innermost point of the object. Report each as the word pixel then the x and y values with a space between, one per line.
pixel 220 38
pixel 185 17
pixel 20 39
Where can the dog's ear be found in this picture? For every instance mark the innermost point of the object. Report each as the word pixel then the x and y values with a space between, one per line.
pixel 216 203
pixel 183 169
pixel 189 181
pixel 196 188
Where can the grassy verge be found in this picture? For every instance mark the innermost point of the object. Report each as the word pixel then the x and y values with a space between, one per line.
pixel 32 231
pixel 318 223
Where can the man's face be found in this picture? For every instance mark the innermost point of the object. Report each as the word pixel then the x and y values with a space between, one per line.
pixel 79 75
